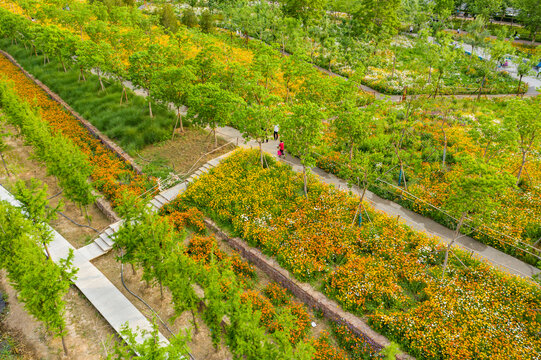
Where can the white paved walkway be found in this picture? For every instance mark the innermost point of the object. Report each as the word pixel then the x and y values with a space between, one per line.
pixel 103 295
pixel 418 222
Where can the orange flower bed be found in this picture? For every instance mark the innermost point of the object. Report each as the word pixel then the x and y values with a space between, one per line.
pixel 204 248
pixel 111 175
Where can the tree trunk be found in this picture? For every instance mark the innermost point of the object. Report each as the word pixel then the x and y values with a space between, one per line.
pixel 5 166
pixel 394 67
pixel 133 270
pixel 161 291
pixel 518 86
pixel 524 153
pixel 47 252
pixel 362 197
pixel 438 84
pixel 351 151
pixel 261 152
pixel 63 65
pixel 486 151
pixel 150 105
pixel 194 321
pixel 122 95
pixel 180 120
pixel 174 129
pixel 101 82
pixel 457 234
pixel 444 147
pixel 481 88
pixel 215 138
pixel 305 178
pixel 64 345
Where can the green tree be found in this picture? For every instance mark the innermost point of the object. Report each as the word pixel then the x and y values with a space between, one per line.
pixel 211 106
pixel 206 22
pixel 352 124
pixel 267 64
pixel 379 18
pixel 41 285
pixel 477 33
pixel 168 18
pixel 301 131
pixel 529 15
pixel 524 118
pixel 474 195
pixel 303 9
pixel 172 84
pixel 524 67
pixel 144 66
pixel 95 56
pixel 189 18
pixel 3 148
pixel 257 119
pixel 150 348
pixel 36 206
pixel 492 135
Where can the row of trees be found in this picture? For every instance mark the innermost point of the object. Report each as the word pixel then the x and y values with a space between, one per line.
pixel 41 284
pixel 219 91
pixel 148 240
pixel 63 159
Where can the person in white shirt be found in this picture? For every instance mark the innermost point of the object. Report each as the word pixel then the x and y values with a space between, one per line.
pixel 276 129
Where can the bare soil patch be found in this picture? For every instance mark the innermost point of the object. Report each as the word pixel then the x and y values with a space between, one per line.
pixel 186 152
pixel 89 335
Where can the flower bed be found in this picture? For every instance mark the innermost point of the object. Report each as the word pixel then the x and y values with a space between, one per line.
pixel 382 270
pixel 110 175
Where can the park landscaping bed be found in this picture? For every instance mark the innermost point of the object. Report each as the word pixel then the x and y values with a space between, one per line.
pixel 444 140
pixel 381 270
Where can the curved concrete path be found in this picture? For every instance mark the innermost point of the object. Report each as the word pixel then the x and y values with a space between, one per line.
pixel 418 222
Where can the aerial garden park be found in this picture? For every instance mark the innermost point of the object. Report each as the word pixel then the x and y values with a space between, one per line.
pixel 431 108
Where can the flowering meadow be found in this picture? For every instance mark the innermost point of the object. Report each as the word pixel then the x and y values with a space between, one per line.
pixel 382 270
pixel 444 139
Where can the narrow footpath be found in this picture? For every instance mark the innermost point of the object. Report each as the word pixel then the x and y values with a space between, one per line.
pixel 418 222
pixel 101 293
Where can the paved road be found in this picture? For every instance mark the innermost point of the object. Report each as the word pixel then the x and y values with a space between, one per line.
pixel 418 222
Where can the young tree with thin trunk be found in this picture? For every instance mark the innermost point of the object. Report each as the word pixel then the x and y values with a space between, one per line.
pixel 208 105
pixel 492 134
pixel 36 205
pixel 144 66
pixel 150 348
pixel 3 148
pixel 172 85
pixel 473 197
pixel 40 285
pixel 302 132
pixel 524 67
pixel 257 119
pixel 523 117
pixel 352 124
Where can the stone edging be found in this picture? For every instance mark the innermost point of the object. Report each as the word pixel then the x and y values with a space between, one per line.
pixel 91 128
pixel 306 292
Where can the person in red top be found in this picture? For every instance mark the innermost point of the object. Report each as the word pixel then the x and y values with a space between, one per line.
pixel 281 149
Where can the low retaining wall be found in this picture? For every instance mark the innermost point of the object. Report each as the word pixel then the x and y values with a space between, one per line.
pixel 306 292
pixel 91 128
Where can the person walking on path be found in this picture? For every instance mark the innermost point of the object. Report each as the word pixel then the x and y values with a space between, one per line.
pixel 276 129
pixel 281 149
